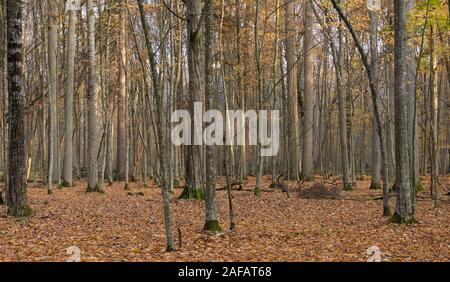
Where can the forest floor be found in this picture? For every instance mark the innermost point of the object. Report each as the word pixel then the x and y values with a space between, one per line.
pixel 118 227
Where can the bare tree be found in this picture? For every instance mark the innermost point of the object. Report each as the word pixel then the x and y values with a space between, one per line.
pixel 160 131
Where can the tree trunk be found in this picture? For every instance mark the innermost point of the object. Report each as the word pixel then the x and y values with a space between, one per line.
pixel 308 122
pixel 194 181
pixel 92 102
pixel 17 200
pixel 292 119
pixel 405 205
pixel 121 101
pixel 376 154
pixel 160 130
pixel 211 223
pixel 68 103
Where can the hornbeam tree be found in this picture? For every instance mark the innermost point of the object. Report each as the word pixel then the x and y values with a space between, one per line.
pixel 92 102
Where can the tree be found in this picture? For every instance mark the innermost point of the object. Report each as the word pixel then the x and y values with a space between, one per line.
pixel 405 206
pixel 194 173
pixel 67 179
pixel 376 153
pixel 121 101
pixel 211 223
pixel 292 94
pixel 92 102
pixel 308 109
pixel 374 91
pixel 17 199
pixel 53 160
pixel 160 131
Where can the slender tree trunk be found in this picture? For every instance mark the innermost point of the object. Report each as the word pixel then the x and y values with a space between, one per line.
pixel 292 119
pixel 5 99
pixel 376 154
pixel 92 102
pixel 121 101
pixel 308 122
pixel 434 109
pixel 68 103
pixel 53 88
pixel 160 130
pixel 211 223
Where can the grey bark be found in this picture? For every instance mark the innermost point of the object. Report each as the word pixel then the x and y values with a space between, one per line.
pixel 308 122
pixel 53 95
pixel 68 103
pixel 160 131
pixel 405 204
pixel 92 102
pixel 293 121
pixel 121 101
pixel 211 223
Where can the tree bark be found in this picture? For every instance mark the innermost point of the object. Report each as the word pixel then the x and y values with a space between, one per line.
pixel 405 205
pixel 68 103
pixel 121 101
pixel 308 122
pixel 376 154
pixel 92 102
pixel 211 223
pixel 292 119
pixel 160 130
pixel 17 199
pixel 53 93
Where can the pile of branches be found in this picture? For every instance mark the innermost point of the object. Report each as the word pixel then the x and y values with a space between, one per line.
pixel 320 191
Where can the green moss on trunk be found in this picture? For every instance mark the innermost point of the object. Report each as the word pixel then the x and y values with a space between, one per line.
pixel 309 178
pixel 212 226
pixel 257 192
pixel 387 211
pixel 127 187
pixel 66 184
pixel 348 187
pixel 419 187
pixel 396 218
pixel 192 194
pixel 375 186
pixel 21 213
pixel 96 189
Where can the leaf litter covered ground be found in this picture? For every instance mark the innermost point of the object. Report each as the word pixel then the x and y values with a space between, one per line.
pixel 118 227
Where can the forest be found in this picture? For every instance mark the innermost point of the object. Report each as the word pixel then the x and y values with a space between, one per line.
pixel 224 130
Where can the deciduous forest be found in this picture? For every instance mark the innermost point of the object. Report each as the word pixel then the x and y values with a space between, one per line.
pixel 348 99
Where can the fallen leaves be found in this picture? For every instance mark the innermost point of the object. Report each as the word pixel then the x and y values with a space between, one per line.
pixel 116 226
